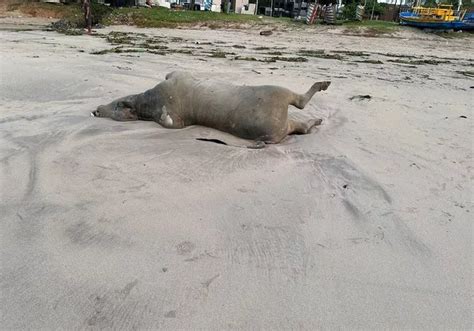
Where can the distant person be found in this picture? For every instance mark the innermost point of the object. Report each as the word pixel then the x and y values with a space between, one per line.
pixel 86 6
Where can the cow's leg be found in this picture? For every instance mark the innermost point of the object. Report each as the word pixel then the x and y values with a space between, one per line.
pixel 302 127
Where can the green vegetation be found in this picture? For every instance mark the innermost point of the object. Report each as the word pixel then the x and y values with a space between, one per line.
pixel 41 9
pixel 349 10
pixel 99 12
pixel 70 13
pixel 119 50
pixel 218 54
pixel 162 17
pixel 454 3
pixel 72 17
pixel 142 17
pixel 320 53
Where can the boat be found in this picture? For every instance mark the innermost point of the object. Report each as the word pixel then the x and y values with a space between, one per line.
pixel 443 17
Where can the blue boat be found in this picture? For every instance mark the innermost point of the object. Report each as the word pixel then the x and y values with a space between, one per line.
pixel 440 18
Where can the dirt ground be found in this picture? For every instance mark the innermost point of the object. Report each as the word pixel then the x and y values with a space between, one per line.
pixel 364 223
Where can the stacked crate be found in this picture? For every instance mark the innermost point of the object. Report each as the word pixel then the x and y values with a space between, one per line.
pixel 207 4
pixel 311 13
pixel 330 14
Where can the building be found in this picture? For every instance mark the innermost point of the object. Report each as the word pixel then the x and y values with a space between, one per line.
pixel 396 2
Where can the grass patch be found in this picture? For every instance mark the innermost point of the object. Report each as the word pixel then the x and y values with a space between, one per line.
pixel 41 9
pixel 163 17
pixel 120 38
pixel 142 17
pixel 320 53
pixel 72 13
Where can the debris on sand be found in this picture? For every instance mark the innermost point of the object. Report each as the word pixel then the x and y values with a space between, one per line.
pixel 352 53
pixel 361 97
pixel 419 62
pixel 181 51
pixel 370 61
pixel 66 27
pixel 251 58
pixel 466 73
pixel 275 53
pixel 406 56
pixel 120 50
pixel 266 33
pixel 290 59
pixel 151 46
pixel 197 42
pixel 245 58
pixel 218 54
pixel 120 38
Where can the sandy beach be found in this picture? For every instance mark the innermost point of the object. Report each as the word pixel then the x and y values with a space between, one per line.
pixel 366 223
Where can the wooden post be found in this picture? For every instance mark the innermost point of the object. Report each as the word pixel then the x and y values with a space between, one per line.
pixel 372 14
pixel 394 11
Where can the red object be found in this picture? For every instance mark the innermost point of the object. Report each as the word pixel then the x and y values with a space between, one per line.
pixel 313 15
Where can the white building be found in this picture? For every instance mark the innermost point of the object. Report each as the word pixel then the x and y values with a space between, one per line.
pixel 397 2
